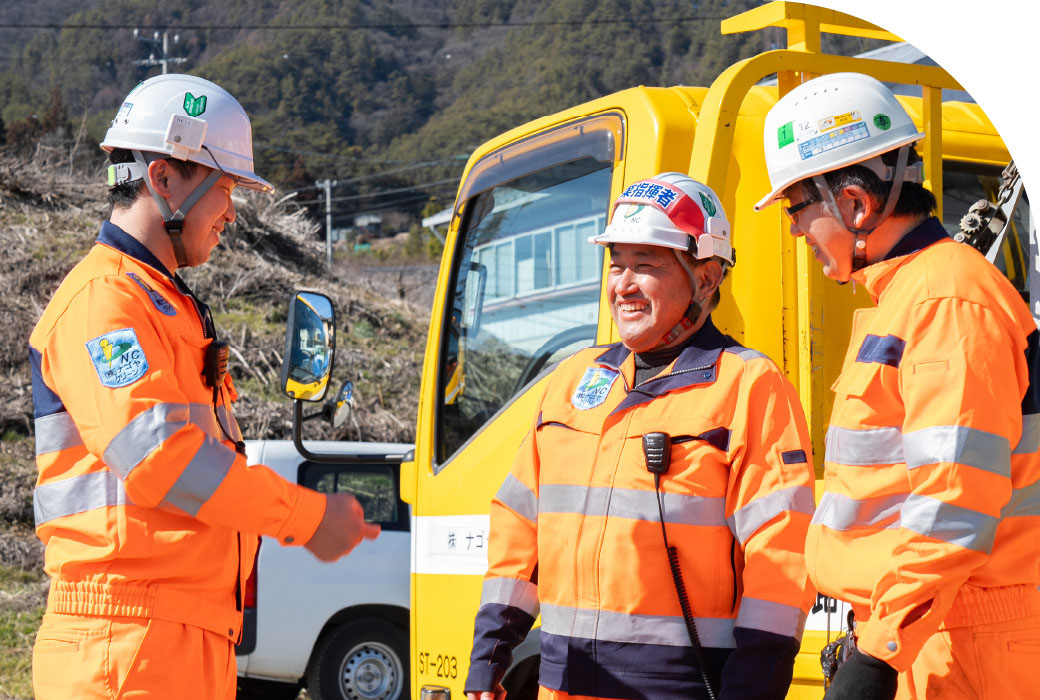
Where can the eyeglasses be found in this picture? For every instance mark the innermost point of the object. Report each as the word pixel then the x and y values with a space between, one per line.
pixel 792 211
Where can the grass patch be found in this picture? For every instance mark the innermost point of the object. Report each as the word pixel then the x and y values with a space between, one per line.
pixel 17 631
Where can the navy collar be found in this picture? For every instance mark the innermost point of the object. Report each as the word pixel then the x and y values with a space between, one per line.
pixel 702 349
pixel 696 364
pixel 918 238
pixel 118 239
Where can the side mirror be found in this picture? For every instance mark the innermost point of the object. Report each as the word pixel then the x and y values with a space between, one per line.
pixel 309 343
pixel 474 301
pixel 339 408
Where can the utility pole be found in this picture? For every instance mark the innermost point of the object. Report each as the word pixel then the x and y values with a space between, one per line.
pixel 328 185
pixel 164 44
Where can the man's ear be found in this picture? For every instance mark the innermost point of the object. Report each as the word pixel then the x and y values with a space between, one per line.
pixel 158 175
pixel 709 277
pixel 856 206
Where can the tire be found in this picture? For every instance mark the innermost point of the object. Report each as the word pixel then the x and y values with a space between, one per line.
pixel 361 660
pixel 256 689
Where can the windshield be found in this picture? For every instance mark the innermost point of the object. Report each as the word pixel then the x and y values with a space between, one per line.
pixel 526 289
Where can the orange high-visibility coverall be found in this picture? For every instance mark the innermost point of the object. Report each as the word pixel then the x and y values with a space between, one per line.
pixel 143 502
pixel 928 524
pixel 576 532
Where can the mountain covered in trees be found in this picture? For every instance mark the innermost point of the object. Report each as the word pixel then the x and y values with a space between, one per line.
pixel 386 98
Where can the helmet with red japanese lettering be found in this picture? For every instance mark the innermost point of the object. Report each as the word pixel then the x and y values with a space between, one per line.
pixel 674 211
pixel 833 121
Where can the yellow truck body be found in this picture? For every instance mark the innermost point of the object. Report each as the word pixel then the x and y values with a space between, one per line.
pixel 517 289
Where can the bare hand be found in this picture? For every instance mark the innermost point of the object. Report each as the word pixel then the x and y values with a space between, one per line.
pixel 499 693
pixel 341 529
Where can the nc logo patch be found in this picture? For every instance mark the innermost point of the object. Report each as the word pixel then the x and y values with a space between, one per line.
pixel 593 388
pixel 159 300
pixel 118 358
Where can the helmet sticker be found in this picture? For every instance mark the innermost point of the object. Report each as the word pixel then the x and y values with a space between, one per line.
pixel 593 388
pixel 194 106
pixel 633 209
pixel 882 121
pixel 785 135
pixel 124 109
pixel 118 358
pixel 709 205
pixel 653 192
pixel 833 139
pixel 828 123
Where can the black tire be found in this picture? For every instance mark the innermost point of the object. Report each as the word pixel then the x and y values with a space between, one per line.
pixel 256 689
pixel 361 660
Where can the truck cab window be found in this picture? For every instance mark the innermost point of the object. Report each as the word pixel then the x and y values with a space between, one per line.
pixel 526 290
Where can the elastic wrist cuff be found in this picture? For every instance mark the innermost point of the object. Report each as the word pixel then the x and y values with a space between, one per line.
pixel 304 518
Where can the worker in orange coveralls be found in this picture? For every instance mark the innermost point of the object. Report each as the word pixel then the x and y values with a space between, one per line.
pixel 148 510
pixel 675 437
pixel 928 525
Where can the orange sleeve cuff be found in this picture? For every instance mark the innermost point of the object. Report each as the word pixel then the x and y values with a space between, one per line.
pixel 304 518
pixel 898 649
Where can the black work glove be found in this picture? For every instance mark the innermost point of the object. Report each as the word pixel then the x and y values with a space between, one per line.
pixel 862 677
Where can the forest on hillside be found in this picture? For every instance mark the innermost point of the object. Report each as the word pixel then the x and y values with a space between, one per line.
pixel 388 98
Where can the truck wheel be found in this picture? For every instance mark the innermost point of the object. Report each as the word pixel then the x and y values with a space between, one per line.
pixel 360 660
pixel 256 689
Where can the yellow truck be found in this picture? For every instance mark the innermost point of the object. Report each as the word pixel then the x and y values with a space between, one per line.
pixel 520 288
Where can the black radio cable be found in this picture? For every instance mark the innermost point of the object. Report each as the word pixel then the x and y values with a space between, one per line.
pixel 684 601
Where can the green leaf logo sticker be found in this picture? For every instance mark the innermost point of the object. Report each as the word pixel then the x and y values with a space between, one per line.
pixel 709 206
pixel 785 135
pixel 194 106
pixel 882 121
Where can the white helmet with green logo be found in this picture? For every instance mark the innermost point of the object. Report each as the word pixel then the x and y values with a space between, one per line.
pixel 833 121
pixel 188 118
pixel 674 211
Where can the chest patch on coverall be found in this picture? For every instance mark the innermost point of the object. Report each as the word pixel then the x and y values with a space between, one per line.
pixel 593 388
pixel 118 358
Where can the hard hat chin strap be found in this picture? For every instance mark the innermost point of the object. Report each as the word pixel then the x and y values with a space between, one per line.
pixel 173 221
pixel 859 252
pixel 693 311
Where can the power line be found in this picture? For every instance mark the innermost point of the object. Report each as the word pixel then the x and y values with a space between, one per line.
pixel 392 203
pixel 383 27
pixel 352 159
pixel 379 193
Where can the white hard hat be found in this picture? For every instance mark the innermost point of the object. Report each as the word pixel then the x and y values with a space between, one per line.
pixel 830 122
pixel 671 210
pixel 188 118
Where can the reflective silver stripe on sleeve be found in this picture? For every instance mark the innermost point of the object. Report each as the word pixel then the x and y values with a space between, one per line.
pixel 512 592
pixel 1030 440
pixel 227 419
pixel 606 626
pixel 203 415
pixel 1024 502
pixel 862 448
pixel 958 444
pixel 747 520
pixel 632 504
pixel 747 354
pixel 768 616
pixel 151 428
pixel 56 432
pixel 77 494
pixel 843 513
pixel 949 523
pixel 201 478
pixel 516 496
